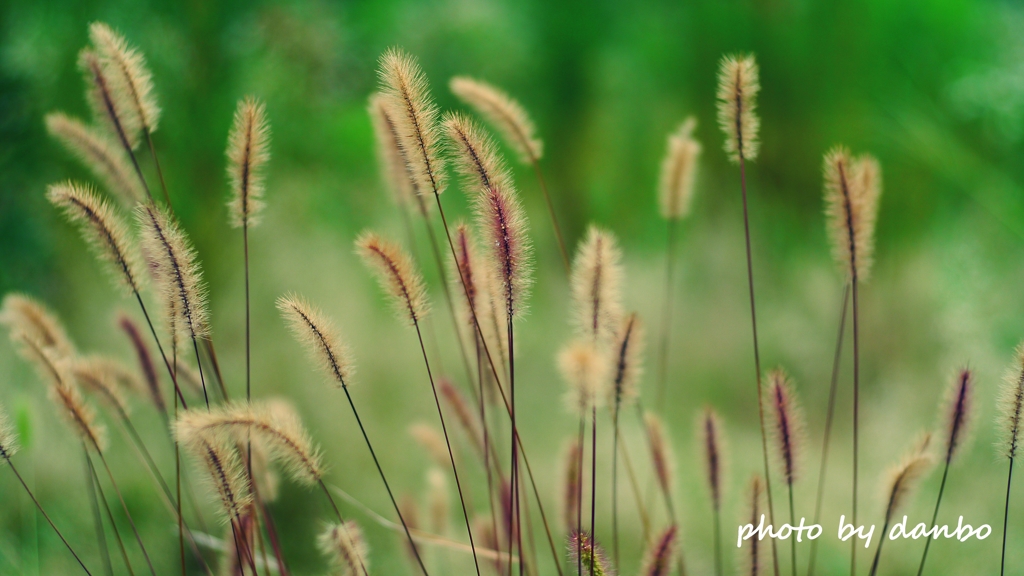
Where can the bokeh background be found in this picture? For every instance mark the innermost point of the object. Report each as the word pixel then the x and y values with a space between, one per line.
pixel 935 89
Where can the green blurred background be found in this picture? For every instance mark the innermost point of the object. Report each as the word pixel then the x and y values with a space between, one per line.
pixel 935 89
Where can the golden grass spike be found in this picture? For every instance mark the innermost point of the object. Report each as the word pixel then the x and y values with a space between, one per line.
pixel 958 414
pixel 111 105
pixel 503 113
pixel 8 436
pixel 901 480
pixel 585 371
pixel 248 153
pixel 1011 407
pixel 316 332
pixel 679 171
pixel 480 286
pixel 752 562
pixel 345 545
pixel 661 451
pixel 106 378
pixel 852 191
pixel 787 423
pixel 738 86
pixel 79 415
pixel 658 559
pixel 431 441
pixel 103 229
pixel 627 361
pixel 225 474
pixel 415 114
pixel 476 157
pixel 106 160
pixel 596 279
pixel 176 270
pixel 126 69
pixel 438 501
pixel 502 222
pixel 713 452
pixel 25 316
pixel 396 274
pixel 394 166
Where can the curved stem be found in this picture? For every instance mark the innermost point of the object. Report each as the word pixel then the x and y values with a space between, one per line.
pixel 935 516
pixel 551 212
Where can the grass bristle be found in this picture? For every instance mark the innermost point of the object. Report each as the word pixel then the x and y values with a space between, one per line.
pixel 397 275
pixel 8 437
pixel 660 553
pixel 99 154
pixel 476 157
pixel 583 550
pixel 661 452
pixel 415 115
pixel 248 153
pixel 125 67
pixel 502 223
pixel 503 113
pixel 316 332
pixel 224 470
pixel 738 85
pixel 679 171
pixel 596 286
pixel 585 370
pixel 26 316
pixel 787 424
pixel 627 361
pixel 1011 407
pixel 111 104
pixel 852 191
pixel 394 166
pixel 103 229
pixel 958 414
pixel 345 545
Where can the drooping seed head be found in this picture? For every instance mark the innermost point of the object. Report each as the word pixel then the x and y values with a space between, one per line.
pixel 572 483
pixel 713 452
pixel 26 317
pixel 103 158
pixel 503 113
pixel 627 361
pixel 958 414
pixel 397 275
pixel 658 559
pixel 106 378
pixel 103 229
pixel 176 271
pixel 852 191
pixel 248 153
pixel 125 67
pixel 395 170
pixel 596 279
pixel 431 441
pixel 8 436
pixel 788 429
pixel 1011 408
pixel 661 451
pixel 476 156
pixel 414 112
pixel 903 478
pixel 679 171
pixel 585 371
pixel 111 105
pixel 316 332
pixel 584 551
pixel 738 86
pixel 345 546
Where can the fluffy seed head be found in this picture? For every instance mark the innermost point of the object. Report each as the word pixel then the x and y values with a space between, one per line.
pixel 679 171
pixel 176 271
pixel 661 452
pixel 106 378
pixel 788 429
pixel 248 153
pixel 431 441
pixel 502 222
pixel 503 113
pixel 852 191
pixel 476 156
pixel 738 86
pixel 103 229
pixel 712 449
pixel 596 280
pixel 585 371
pixel 751 561
pixel 106 160
pixel 584 551
pixel 396 274
pixel 314 330
pixel 29 318
pixel 660 553
pixel 224 471
pixel 627 361
pixel 407 97
pixel 125 67
pixel 469 277
pixel 345 545
pixel 572 483
pixel 111 105
pixel 902 479
pixel 394 165
pixel 1011 408
pixel 8 437
pixel 958 414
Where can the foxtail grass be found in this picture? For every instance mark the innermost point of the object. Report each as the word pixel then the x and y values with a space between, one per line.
pixel 1011 408
pixel 713 451
pixel 788 434
pixel 900 483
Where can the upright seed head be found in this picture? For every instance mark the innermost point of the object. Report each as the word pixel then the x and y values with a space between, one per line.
pixel 8 436
pixel 111 105
pixel 627 361
pixel 248 153
pixel 751 561
pixel 713 450
pixel 852 191
pixel 661 452
pixel 901 479
pixel 176 271
pixel 396 274
pixel 584 551
pixel 26 317
pixel 103 229
pixel 585 371
pixel 679 171
pixel 345 545
pixel 476 156
pixel 1011 408
pixel 958 415
pixel 788 429
pixel 658 559
pixel 130 80
pixel 596 280
pixel 572 483
pixel 314 330
pixel 407 94
pixel 106 160
pixel 502 223
pixel 394 165
pixel 738 86
pixel 503 113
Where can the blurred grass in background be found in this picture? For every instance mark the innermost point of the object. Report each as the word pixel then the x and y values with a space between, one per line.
pixel 935 89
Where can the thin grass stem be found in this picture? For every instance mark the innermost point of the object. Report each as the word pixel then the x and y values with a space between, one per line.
pixel 97 518
pixel 935 516
pixel 1006 517
pixel 95 480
